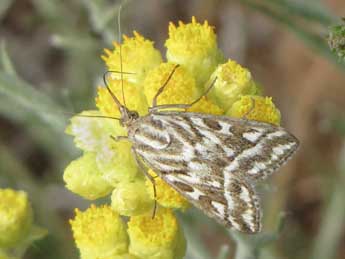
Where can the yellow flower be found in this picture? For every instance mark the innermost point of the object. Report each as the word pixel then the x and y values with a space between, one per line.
pixel 83 177
pixel 194 46
pixel 255 108
pixel 120 256
pixel 138 57
pixel 131 199
pixel 4 255
pixel 165 194
pixel 206 105
pixel 99 233
pixel 180 88
pixel 233 80
pixel 134 98
pixel 15 217
pixel 108 165
pixel 91 134
pixel 158 238
pixel 116 163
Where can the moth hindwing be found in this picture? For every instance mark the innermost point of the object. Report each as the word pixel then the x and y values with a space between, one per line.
pixel 213 161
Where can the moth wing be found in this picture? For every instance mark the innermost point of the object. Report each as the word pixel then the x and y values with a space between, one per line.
pixel 251 148
pixel 233 203
pixel 212 160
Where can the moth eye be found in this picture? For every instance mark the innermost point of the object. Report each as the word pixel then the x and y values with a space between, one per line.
pixel 134 114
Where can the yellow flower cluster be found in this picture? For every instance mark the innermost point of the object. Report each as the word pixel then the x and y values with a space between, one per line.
pixel 107 167
pixel 16 223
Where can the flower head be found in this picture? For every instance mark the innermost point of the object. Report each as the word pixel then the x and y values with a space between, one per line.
pixel 90 134
pixel 135 99
pixel 107 166
pixel 138 56
pixel 158 238
pixel 256 108
pixel 205 105
pixel 116 162
pixel 83 177
pixel 131 199
pixel 15 217
pixel 4 255
pixel 233 80
pixel 99 233
pixel 194 46
pixel 181 87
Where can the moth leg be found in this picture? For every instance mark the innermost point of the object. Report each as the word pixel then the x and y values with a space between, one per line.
pixel 118 138
pixel 182 106
pixel 161 89
pixel 142 168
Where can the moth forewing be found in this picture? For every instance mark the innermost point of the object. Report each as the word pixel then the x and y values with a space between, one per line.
pixel 212 160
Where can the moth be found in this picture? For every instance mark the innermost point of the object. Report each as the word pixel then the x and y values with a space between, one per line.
pixel 213 161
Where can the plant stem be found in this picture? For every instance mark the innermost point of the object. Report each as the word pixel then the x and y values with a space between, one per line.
pixel 333 221
pixel 312 39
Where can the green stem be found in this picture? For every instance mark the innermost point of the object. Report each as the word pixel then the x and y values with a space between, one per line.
pixel 317 42
pixel 333 220
pixel 224 252
pixel 307 11
pixel 35 101
pixel 245 251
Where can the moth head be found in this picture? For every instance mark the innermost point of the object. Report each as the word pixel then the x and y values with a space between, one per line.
pixel 127 116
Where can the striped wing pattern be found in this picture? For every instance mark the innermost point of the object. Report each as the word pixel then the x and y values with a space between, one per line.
pixel 213 160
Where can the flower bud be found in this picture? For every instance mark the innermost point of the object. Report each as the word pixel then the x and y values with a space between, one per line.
pixel 131 198
pixel 83 177
pixel 15 217
pixel 255 108
pixel 233 80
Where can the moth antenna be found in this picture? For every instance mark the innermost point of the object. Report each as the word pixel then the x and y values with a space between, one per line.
pixel 108 88
pixel 119 72
pixel 120 50
pixel 119 105
pixel 205 93
pixel 90 116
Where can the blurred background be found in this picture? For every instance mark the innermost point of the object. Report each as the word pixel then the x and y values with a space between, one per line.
pixel 50 62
